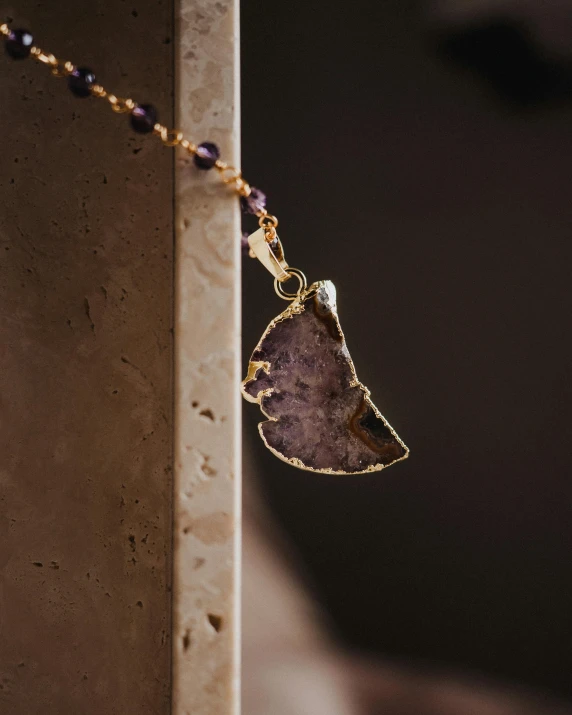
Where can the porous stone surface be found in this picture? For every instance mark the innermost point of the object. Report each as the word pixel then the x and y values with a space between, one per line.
pixel 302 375
pixel 207 369
pixel 86 235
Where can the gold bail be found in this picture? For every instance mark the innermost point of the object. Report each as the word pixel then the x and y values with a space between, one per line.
pixel 271 255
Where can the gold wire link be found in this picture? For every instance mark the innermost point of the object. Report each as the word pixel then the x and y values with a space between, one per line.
pixel 269 224
pixel 229 174
pixel 170 137
pixel 243 188
pixel 4 29
pixel 98 91
pixel 62 69
pixel 42 57
pixel 267 221
pixel 240 185
pixel 120 105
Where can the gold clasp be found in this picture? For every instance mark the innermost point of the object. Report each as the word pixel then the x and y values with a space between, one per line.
pixel 271 255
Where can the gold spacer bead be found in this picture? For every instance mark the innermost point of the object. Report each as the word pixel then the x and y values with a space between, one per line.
pixel 4 29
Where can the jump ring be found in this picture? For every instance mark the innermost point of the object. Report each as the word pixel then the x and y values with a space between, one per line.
pixel 303 284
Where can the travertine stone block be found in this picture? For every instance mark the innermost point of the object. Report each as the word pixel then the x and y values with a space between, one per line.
pixel 207 370
pixel 86 238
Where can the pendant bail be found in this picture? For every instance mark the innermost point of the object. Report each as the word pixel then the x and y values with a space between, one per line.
pixel 271 255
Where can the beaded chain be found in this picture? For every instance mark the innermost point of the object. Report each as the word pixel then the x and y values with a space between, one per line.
pixel 19 45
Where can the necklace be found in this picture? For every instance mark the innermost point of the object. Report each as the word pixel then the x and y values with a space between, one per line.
pixel 320 417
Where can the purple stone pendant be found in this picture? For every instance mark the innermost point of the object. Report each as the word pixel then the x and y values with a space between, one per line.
pixel 320 416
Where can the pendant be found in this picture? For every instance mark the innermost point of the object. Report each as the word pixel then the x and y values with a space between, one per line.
pixel 320 416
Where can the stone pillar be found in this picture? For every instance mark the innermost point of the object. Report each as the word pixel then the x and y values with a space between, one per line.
pixel 88 425
pixel 207 369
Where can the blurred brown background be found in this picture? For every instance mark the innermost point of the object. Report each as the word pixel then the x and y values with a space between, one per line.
pixel 423 162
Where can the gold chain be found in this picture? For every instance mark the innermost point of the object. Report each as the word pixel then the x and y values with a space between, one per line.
pixel 229 174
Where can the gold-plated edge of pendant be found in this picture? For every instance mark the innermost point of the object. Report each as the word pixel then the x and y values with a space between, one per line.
pixel 296 307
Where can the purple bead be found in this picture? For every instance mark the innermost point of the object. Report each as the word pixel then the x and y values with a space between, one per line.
pixel 143 118
pixel 19 43
pixel 254 203
pixel 207 155
pixel 80 81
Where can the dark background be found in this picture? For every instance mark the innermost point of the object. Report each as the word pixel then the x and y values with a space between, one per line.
pixel 437 198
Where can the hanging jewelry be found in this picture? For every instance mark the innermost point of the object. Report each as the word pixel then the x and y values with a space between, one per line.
pixel 319 415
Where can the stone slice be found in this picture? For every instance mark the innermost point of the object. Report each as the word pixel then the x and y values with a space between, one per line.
pixel 302 376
